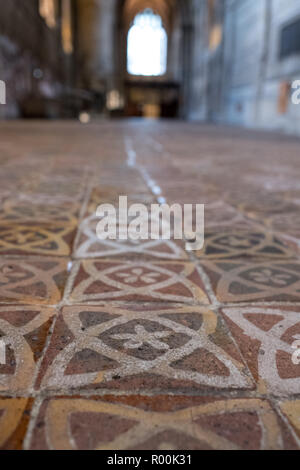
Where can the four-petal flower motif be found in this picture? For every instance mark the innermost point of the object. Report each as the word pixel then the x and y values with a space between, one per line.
pixel 267 276
pixel 139 274
pixel 142 336
pixel 235 241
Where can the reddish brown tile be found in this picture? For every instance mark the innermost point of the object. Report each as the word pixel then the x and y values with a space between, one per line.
pixel 159 423
pixel 23 330
pixel 142 347
pixel 32 281
pixel 94 281
pixel 266 337
pixel 242 280
pixel 14 418
pixel 45 240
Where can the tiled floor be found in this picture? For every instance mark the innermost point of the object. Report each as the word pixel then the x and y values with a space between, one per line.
pixel 144 345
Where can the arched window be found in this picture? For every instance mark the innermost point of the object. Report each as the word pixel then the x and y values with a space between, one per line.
pixel 147 45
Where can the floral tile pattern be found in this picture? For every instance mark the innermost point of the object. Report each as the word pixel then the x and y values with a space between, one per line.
pixel 243 244
pixel 142 423
pixel 141 347
pixel 32 281
pixel 47 240
pixel 90 246
pixel 94 281
pixel 24 332
pixel 254 281
pixel 124 345
pixel 22 211
pixel 266 337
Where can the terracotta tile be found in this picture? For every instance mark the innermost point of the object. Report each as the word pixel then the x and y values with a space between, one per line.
pixel 93 281
pixel 292 196
pixel 287 228
pixel 243 280
pixel 241 244
pixel 265 337
pixel 14 418
pixel 159 423
pixel 24 330
pixel 220 216
pixel 188 194
pixel 47 240
pixel 291 409
pixel 267 206
pixel 286 223
pixel 110 194
pixel 88 245
pixel 24 211
pixel 32 281
pixel 57 190
pixel 142 347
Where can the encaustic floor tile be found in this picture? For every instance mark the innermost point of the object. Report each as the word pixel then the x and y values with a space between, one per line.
pixel 159 423
pixel 89 245
pixel 23 331
pixel 32 281
pixel 32 211
pixel 243 280
pixel 45 240
pixel 14 418
pixel 239 244
pixel 94 281
pixel 266 338
pixel 142 347
pixel 291 409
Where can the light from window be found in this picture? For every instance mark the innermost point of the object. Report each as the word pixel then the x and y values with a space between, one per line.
pixel 47 10
pixel 147 45
pixel 66 27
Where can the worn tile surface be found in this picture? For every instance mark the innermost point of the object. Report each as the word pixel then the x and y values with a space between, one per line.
pixel 241 244
pixel 144 345
pixel 14 419
pixel 159 423
pixel 22 211
pixel 266 337
pixel 32 281
pixel 90 246
pixel 93 281
pixel 24 332
pixel 45 240
pixel 291 409
pixel 253 281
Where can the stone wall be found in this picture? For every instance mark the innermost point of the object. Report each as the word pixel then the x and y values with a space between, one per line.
pixel 248 81
pixel 32 62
